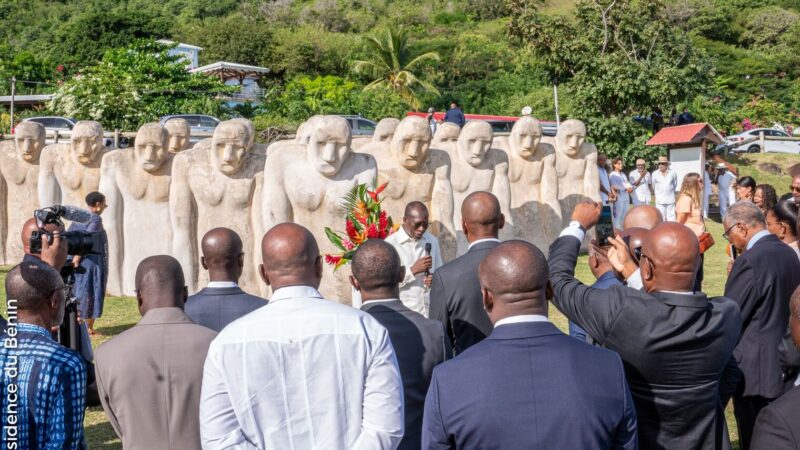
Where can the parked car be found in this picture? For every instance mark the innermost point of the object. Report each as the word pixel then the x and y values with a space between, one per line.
pixel 360 126
pixel 199 123
pixel 776 146
pixel 64 127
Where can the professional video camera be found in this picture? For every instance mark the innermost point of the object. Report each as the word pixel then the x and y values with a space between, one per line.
pixel 78 242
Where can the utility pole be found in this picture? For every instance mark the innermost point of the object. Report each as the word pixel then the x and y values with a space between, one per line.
pixel 13 93
pixel 555 100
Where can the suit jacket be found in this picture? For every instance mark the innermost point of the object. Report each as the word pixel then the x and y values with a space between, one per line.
pixel 419 345
pixel 149 380
pixel 761 282
pixel 675 348
pixel 529 386
pixel 215 308
pixel 778 425
pixel 456 298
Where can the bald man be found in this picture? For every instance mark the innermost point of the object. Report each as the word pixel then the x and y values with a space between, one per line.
pixel 419 343
pixel 642 216
pixel 527 385
pixel 149 376
pixel 222 301
pixel 302 372
pixel 676 343
pixel 455 298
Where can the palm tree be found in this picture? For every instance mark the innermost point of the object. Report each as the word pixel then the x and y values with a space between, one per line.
pixel 392 66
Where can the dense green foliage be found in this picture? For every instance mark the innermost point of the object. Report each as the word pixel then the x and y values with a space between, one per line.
pixel 726 60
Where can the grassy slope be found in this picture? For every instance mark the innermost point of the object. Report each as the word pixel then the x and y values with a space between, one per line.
pixel 121 312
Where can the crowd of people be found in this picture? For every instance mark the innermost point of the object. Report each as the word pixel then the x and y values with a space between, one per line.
pixel 459 355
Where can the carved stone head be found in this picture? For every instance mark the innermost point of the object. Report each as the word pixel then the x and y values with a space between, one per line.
pixel 303 134
pixel 251 131
pixel 151 147
pixel 87 141
pixel 29 140
pixel 411 142
pixel 447 132
pixel 229 146
pixel 329 145
pixel 525 137
pixel 570 137
pixel 474 141
pixel 179 134
pixel 385 129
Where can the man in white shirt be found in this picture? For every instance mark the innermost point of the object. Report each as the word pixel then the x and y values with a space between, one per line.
pixel 665 183
pixel 605 183
pixel 725 183
pixel 302 372
pixel 411 241
pixel 706 189
pixel 640 180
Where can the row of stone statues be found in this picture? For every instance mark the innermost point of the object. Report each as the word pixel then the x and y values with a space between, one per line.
pixel 162 196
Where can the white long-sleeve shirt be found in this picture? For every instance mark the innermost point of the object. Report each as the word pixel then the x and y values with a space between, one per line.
pixel 302 373
pixel 664 186
pixel 413 293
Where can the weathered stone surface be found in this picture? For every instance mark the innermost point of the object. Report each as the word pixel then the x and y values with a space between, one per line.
pixel 214 187
pixel 306 185
pixel 136 184
pixel 576 167
pixel 19 176
pixel 179 134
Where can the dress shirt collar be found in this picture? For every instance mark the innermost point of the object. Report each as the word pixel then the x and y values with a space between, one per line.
pixel 222 284
pixel 403 237
pixel 158 316
pixel 678 292
pixel 757 237
pixel 31 328
pixel 381 300
pixel 480 241
pixel 294 292
pixel 524 318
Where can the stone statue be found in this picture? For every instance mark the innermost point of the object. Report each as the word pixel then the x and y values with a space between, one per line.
pixel 308 188
pixel 218 187
pixel 576 167
pixel 136 185
pixel 535 210
pixel 416 172
pixel 261 149
pixel 179 134
pixel 68 172
pixel 446 134
pixel 19 175
pixel 384 130
pixel 476 166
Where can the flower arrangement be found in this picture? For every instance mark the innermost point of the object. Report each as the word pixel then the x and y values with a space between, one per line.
pixel 364 219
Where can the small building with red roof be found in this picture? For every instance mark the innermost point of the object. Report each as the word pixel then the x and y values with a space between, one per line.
pixel 686 146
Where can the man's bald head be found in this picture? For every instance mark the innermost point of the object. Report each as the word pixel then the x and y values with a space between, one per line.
pixel 670 257
pixel 642 216
pixel 514 280
pixel 377 270
pixel 481 216
pixel 222 254
pixel 160 283
pixel 32 284
pixel 29 227
pixel 634 238
pixel 290 257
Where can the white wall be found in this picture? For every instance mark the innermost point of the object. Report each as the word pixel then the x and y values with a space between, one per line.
pixel 686 160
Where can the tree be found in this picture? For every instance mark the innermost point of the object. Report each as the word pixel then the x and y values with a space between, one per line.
pixel 393 65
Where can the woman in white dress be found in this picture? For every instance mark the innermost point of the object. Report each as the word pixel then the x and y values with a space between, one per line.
pixel 620 184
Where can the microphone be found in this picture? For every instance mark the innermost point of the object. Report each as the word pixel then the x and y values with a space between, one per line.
pixel 427 253
pixel 73 213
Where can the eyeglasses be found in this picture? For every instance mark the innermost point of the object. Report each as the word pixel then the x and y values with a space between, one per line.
pixel 726 235
pixel 795 188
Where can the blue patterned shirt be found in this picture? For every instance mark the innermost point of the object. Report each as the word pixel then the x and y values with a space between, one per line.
pixel 43 391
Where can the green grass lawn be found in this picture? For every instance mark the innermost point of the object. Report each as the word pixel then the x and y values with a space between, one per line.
pixel 121 313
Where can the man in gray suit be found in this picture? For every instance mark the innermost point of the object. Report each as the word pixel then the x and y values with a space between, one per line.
pixel 418 342
pixel 149 376
pixel 456 298
pixel 222 301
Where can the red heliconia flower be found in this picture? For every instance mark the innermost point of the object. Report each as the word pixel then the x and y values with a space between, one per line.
pixel 348 245
pixel 374 195
pixel 350 227
pixel 332 260
pixel 383 221
pixel 372 231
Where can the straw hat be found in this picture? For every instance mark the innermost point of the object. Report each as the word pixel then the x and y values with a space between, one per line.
pixel 663 160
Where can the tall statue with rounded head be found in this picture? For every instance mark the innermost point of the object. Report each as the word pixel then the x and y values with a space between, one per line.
pixel 476 166
pixel 136 185
pixel 179 134
pixel 416 172
pixel 215 187
pixel 301 136
pixel 19 175
pixel 306 185
pixel 576 167
pixel 384 130
pixel 68 172
pixel 535 210
pixel 446 135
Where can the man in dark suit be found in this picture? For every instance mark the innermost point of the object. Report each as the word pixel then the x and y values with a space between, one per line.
pixel 419 343
pixel 527 383
pixel 675 343
pixel 222 301
pixel 456 293
pixel 778 424
pixel 761 281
